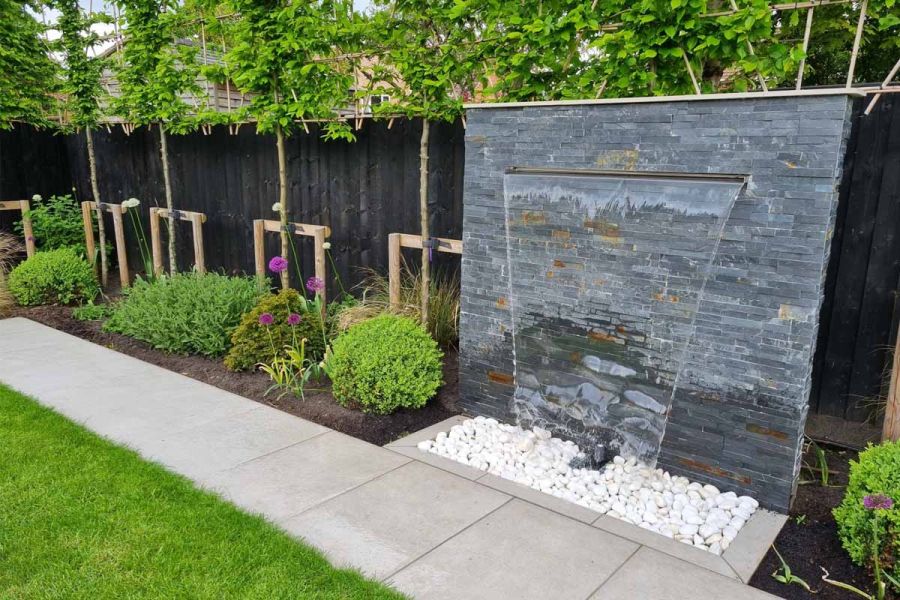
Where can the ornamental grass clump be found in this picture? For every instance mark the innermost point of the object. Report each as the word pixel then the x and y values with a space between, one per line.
pixel 868 518
pixel 385 364
pixel 271 324
pixel 186 313
pixel 9 248
pixel 60 276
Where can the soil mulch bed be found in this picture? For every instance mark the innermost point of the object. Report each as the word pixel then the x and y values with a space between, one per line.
pixel 809 540
pixel 319 406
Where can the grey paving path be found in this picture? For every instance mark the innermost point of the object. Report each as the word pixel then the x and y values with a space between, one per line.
pixel 425 526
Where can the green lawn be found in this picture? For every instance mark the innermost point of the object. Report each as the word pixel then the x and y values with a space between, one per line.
pixel 83 518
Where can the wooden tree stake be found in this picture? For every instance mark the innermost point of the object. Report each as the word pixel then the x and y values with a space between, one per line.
pixel 891 430
pixel 24 206
pixel 397 241
pixel 197 220
pixel 118 228
pixel 319 233
pixel 884 84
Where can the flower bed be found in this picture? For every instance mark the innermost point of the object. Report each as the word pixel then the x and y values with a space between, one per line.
pixel 673 506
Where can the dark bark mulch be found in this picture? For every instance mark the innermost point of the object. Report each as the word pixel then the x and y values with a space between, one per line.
pixel 319 406
pixel 809 540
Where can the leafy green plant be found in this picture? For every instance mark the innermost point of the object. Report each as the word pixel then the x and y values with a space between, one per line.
pixel 383 364
pixel 253 342
pixel 56 222
pixel 91 312
pixel 443 303
pixel 291 369
pixel 187 313
pixel 784 574
pixel 60 276
pixel 872 536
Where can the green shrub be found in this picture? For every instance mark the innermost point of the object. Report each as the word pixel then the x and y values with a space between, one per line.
pixel 92 312
pixel 187 313
pixel 385 363
pixel 876 472
pixel 56 222
pixel 253 343
pixel 60 276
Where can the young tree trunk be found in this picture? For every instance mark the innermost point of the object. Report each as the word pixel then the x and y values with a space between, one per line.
pixel 282 199
pixel 423 212
pixel 95 191
pixel 170 204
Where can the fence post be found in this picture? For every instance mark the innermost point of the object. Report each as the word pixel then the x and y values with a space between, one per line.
pixel 891 430
pixel 27 229
pixel 394 269
pixel 318 241
pixel 119 228
pixel 259 246
pixel 155 241
pixel 199 255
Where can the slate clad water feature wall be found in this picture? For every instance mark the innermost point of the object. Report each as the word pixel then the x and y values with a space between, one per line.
pixel 731 344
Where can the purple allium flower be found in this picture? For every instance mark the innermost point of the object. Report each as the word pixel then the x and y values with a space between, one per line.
pixel 314 284
pixel 293 319
pixel 877 502
pixel 30 238
pixel 266 319
pixel 278 264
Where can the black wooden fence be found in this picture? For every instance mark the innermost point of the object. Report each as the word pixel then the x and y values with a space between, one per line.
pixel 368 189
pixel 860 314
pixel 363 190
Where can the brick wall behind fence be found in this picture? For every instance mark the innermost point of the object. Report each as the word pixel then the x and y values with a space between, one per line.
pixel 737 417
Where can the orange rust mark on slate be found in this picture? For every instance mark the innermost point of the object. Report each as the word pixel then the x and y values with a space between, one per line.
pixel 778 435
pixel 601 336
pixel 603 228
pixel 501 302
pixel 560 234
pixel 533 218
pixel 575 357
pixel 696 464
pixel 621 329
pixel 550 274
pixel 504 378
pixel 660 297
pixel 558 263
pixel 599 281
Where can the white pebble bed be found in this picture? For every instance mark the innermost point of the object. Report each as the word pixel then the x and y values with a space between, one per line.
pixel 673 506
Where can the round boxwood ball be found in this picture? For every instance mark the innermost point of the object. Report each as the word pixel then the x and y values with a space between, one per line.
pixel 385 363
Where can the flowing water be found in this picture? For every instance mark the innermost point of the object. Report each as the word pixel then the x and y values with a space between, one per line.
pixel 606 275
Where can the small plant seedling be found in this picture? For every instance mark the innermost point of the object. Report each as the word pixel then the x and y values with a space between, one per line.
pixel 800 519
pixel 785 576
pixel 823 463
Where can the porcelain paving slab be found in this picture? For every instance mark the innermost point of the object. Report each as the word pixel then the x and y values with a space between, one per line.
pixel 658 542
pixel 386 523
pixel 519 551
pixel 752 543
pixel 650 574
pixel 291 480
pixel 204 449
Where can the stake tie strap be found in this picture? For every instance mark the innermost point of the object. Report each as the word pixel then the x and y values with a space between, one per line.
pixel 431 244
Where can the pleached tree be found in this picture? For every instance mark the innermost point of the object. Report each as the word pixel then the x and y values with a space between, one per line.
pixel 82 92
pixel 431 61
pixel 156 71
pixel 292 58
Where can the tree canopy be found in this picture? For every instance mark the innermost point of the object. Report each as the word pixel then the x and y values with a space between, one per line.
pixel 28 76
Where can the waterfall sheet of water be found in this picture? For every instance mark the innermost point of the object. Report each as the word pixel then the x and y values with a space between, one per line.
pixel 606 275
